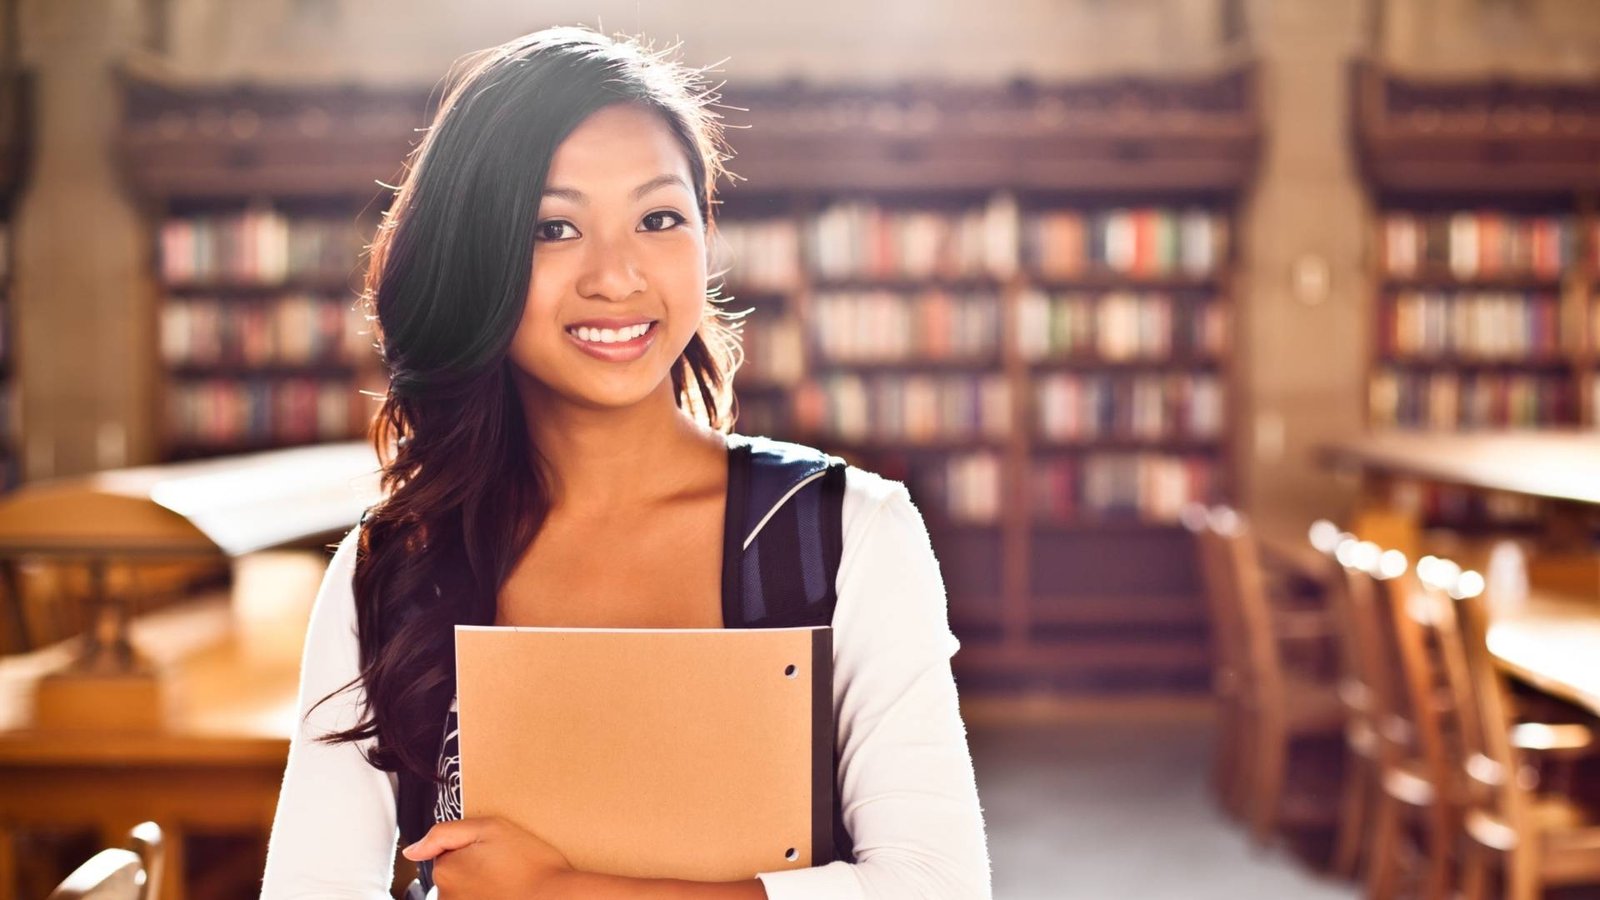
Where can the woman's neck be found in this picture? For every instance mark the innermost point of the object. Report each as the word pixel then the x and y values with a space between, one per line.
pixel 605 460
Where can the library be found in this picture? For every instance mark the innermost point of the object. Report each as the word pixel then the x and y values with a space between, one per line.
pixel 1240 360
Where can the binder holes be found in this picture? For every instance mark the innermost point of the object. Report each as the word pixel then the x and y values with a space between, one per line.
pixel 791 671
pixel 791 854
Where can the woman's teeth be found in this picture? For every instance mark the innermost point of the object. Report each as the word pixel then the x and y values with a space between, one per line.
pixel 610 335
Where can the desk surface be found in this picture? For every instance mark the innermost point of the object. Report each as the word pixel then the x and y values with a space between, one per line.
pixel 232 705
pixel 1558 464
pixel 1553 644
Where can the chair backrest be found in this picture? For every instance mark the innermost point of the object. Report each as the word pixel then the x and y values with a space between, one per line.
pixel 113 874
pixel 1416 631
pixel 119 873
pixel 1496 780
pixel 1243 606
pixel 1363 684
pixel 1227 653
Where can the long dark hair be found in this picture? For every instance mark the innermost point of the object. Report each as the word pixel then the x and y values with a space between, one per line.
pixel 446 283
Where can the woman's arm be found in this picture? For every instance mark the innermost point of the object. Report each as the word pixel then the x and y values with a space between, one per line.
pixel 909 796
pixel 335 832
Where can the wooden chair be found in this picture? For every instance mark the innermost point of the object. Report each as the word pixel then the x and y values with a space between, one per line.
pixel 132 873
pixel 1267 705
pixel 1534 838
pixel 1229 759
pixel 1350 601
pixel 1418 787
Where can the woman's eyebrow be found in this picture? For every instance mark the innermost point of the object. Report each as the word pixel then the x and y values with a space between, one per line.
pixel 577 196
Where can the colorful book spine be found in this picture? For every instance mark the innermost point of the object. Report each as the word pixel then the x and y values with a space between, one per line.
pixel 1073 408
pixel 886 326
pixel 772 347
pixel 758 254
pixel 906 408
pixel 860 241
pixel 1449 400
pixel 1118 326
pixel 1472 325
pixel 223 412
pixel 1140 243
pixel 1477 244
pixel 258 247
pixel 964 488
pixel 292 330
pixel 1142 486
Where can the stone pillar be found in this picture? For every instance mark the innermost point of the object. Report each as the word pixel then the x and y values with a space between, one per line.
pixel 1304 293
pixel 83 291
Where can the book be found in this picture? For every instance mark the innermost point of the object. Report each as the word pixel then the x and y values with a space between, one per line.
pixel 701 754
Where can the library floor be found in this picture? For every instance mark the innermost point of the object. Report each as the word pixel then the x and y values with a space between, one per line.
pixel 1120 811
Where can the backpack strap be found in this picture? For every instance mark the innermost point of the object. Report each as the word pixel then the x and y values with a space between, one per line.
pixel 785 504
pixel 782 572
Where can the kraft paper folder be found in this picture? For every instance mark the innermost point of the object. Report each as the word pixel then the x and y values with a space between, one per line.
pixel 704 754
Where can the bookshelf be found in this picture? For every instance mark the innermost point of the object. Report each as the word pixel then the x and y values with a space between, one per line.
pixel 1484 260
pixel 262 200
pixel 15 141
pixel 1018 301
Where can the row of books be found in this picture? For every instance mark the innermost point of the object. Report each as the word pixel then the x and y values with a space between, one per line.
pixel 258 246
pixel 862 240
pixel 1145 487
pixel 760 254
pixel 1454 400
pixel 964 488
pixel 885 326
pixel 905 408
pixel 226 411
pixel 773 349
pixel 1119 325
pixel 856 240
pixel 1470 244
pixel 295 329
pixel 1142 407
pixel 1471 325
pixel 1141 242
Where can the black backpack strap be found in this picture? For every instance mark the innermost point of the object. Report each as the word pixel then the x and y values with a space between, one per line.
pixel 781 571
pixel 791 498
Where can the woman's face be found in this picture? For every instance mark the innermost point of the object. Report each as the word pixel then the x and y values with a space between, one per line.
pixel 619 249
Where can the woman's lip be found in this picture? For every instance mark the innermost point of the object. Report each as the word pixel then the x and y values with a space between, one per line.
pixel 621 351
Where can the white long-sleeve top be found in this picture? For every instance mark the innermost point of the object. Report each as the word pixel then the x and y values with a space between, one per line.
pixel 905 776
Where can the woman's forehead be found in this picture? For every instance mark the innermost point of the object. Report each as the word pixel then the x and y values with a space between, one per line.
pixel 614 151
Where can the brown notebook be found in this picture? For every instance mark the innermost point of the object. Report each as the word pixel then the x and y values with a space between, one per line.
pixel 704 754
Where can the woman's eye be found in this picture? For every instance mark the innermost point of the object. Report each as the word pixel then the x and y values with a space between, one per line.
pixel 654 219
pixel 551 230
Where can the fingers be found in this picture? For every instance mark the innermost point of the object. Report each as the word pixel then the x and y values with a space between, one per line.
pixel 446 836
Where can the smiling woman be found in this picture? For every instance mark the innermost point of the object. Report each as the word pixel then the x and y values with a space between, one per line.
pixel 561 389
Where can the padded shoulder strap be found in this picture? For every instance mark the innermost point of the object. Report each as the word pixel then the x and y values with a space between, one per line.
pixel 789 538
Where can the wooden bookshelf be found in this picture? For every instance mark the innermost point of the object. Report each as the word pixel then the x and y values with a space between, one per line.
pixel 262 200
pixel 1483 262
pixel 16 118
pixel 1104 598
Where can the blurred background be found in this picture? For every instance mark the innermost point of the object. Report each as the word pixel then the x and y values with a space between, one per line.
pixel 1241 355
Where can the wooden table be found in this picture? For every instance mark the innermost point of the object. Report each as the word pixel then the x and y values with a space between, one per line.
pixel 217 767
pixel 1554 645
pixel 1554 642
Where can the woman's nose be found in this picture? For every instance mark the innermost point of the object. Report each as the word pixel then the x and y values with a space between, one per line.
pixel 610 271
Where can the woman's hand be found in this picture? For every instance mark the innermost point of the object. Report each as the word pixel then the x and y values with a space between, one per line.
pixel 489 857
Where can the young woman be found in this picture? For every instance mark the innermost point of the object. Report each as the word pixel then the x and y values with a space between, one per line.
pixel 556 442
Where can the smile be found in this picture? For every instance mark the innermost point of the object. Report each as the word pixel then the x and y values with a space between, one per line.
pixel 614 345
